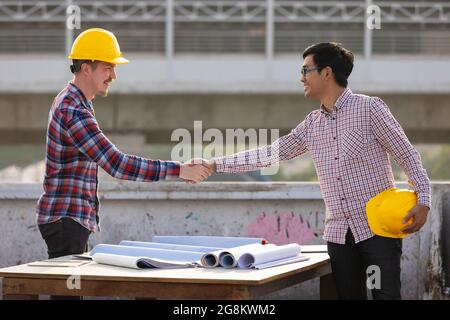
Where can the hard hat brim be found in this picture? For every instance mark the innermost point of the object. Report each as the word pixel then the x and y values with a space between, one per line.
pixel 119 60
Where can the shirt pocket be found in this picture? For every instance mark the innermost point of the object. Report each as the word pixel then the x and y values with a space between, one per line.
pixel 354 143
pixel 319 146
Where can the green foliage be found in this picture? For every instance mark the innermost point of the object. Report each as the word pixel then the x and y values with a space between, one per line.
pixel 21 155
pixel 439 166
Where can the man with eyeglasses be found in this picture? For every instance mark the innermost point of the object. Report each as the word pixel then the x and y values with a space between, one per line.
pixel 350 138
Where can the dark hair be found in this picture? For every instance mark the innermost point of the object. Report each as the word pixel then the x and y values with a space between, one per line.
pixel 76 65
pixel 333 55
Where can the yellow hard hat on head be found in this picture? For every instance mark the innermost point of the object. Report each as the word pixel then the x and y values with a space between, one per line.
pixel 387 209
pixel 97 44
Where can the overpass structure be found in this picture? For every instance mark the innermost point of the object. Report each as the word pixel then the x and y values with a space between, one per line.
pixel 231 64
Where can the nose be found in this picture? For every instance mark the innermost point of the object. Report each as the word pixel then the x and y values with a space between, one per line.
pixel 113 74
pixel 302 78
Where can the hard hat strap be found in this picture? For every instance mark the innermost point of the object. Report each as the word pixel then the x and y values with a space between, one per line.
pixel 76 65
pixel 74 68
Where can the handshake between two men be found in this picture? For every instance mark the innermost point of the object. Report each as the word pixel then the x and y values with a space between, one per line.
pixel 196 170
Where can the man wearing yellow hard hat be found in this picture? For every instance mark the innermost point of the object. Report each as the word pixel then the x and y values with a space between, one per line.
pixel 67 211
pixel 350 137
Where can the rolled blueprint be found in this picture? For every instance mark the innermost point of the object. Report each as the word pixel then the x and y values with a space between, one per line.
pixel 252 260
pixel 280 262
pixel 209 241
pixel 210 259
pixel 228 258
pixel 168 246
pixel 138 262
pixel 172 255
pixel 116 260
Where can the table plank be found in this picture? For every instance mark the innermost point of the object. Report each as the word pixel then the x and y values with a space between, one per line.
pixel 105 288
pixel 94 271
pixel 187 283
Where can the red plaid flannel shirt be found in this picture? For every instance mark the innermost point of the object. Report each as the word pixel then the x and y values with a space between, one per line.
pixel 75 148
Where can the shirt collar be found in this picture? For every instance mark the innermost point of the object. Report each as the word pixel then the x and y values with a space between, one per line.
pixel 75 90
pixel 340 102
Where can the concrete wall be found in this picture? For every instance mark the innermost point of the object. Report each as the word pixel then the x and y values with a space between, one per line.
pixel 227 73
pixel 424 117
pixel 281 212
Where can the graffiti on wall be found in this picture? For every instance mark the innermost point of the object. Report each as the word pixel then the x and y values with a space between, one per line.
pixel 282 228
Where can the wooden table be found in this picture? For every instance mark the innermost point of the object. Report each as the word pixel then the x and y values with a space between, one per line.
pixel 91 279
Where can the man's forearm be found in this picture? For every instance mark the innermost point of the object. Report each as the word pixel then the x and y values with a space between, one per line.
pixel 250 160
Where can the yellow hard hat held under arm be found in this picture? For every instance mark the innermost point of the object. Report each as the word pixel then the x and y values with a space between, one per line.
pixel 386 211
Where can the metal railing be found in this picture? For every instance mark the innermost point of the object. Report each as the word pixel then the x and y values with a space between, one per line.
pixel 227 10
pixel 219 41
pixel 266 27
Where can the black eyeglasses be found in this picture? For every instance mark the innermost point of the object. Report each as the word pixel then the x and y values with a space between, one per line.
pixel 305 70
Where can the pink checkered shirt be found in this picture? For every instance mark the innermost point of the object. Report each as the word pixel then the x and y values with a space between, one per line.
pixel 349 148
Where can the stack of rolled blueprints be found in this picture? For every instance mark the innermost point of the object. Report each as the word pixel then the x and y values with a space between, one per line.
pixel 197 251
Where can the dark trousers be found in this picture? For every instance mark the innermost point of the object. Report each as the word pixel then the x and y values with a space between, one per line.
pixel 64 237
pixel 370 264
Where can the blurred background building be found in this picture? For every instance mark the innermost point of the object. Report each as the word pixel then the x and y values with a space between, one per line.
pixel 230 64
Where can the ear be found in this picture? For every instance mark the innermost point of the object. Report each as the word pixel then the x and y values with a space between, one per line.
pixel 327 73
pixel 85 69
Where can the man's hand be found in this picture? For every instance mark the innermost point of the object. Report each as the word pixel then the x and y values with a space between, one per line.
pixel 211 164
pixel 419 215
pixel 194 173
pixel 196 170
